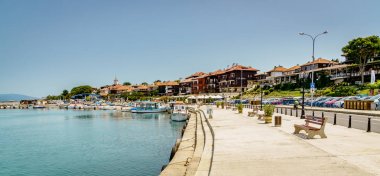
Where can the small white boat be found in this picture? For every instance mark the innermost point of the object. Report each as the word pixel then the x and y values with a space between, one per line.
pixel 149 107
pixel 180 113
pixel 38 107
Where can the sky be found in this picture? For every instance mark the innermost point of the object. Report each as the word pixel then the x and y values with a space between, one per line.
pixel 47 46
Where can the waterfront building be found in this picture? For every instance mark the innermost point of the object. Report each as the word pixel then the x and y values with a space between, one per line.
pixel 212 81
pixel 274 76
pixel 168 88
pixel 317 63
pixel 185 86
pixel 235 79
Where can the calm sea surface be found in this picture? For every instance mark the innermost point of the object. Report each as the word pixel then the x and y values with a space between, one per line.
pixel 68 142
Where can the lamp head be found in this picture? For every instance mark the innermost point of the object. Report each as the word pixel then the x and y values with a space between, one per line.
pixel 301 33
pixel 325 32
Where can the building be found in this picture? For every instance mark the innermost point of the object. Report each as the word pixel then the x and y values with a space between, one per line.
pixel 274 76
pixel 185 86
pixel 235 79
pixel 212 81
pixel 317 64
pixel 168 88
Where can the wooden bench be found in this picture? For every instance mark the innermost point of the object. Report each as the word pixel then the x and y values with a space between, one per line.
pixel 313 126
pixel 253 112
pixel 260 115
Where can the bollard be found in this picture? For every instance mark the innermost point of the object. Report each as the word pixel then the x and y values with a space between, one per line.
pixel 291 112
pixel 334 119
pixel 277 110
pixel 281 110
pixel 313 113
pixel 369 125
pixel 349 121
pixel 286 111
pixel 323 114
pixel 296 112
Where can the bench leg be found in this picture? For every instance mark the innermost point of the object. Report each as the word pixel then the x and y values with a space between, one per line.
pixel 297 130
pixel 310 134
pixel 322 134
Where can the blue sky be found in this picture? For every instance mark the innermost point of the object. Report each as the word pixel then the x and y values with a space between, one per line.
pixel 47 46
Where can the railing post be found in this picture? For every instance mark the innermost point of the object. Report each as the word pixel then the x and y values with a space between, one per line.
pixel 334 119
pixel 349 121
pixel 369 125
pixel 277 110
pixel 281 110
pixel 286 111
pixel 296 112
pixel 291 112
pixel 323 114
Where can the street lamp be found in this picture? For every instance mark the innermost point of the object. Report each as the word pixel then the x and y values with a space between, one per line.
pixel 312 70
pixel 261 96
pixel 303 76
pixel 262 85
pixel 241 85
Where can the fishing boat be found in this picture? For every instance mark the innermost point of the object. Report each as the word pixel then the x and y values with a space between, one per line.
pixel 149 107
pixel 179 113
pixel 38 107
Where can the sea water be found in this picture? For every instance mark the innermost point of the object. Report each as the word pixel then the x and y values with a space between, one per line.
pixel 74 142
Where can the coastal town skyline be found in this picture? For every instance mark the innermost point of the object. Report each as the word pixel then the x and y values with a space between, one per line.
pixel 51 46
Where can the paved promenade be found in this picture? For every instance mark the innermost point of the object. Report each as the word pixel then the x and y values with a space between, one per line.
pixel 246 146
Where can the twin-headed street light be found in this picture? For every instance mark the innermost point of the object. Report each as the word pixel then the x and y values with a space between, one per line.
pixel 312 72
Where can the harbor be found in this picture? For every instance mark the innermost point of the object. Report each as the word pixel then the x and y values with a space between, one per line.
pixel 78 142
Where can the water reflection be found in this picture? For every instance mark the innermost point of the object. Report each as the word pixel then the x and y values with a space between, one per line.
pixel 84 116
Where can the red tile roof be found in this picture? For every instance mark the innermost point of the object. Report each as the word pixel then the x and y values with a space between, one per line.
pixel 320 61
pixel 293 68
pixel 241 67
pixel 278 69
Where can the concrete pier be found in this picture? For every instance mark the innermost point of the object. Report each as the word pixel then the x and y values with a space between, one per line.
pixel 247 146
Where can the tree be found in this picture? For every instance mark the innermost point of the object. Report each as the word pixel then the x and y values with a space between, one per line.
pixel 361 50
pixel 144 83
pixel 65 92
pixel 127 84
pixel 81 90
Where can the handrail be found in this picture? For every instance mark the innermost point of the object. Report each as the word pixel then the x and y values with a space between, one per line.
pixel 213 140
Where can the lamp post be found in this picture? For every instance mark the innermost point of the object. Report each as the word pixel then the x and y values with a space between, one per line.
pixel 261 96
pixel 303 76
pixel 312 69
pixel 241 85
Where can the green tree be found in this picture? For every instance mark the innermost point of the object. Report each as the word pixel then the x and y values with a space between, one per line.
pixel 127 84
pixel 81 90
pixel 65 92
pixel 144 83
pixel 361 50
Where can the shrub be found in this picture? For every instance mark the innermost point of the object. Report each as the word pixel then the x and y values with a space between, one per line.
pixel 240 108
pixel 218 104
pixel 268 110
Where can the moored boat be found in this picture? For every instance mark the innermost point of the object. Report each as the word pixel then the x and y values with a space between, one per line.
pixel 179 113
pixel 149 107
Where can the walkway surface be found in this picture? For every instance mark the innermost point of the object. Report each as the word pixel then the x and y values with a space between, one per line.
pixel 247 146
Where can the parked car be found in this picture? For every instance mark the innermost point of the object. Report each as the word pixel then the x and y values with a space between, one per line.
pixel 340 103
pixel 331 102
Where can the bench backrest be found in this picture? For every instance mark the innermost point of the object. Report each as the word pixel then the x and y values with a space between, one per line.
pixel 318 122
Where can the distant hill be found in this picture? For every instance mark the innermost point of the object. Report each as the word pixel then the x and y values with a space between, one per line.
pixel 15 97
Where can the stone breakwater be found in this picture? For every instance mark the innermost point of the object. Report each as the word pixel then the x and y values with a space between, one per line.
pixel 192 155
